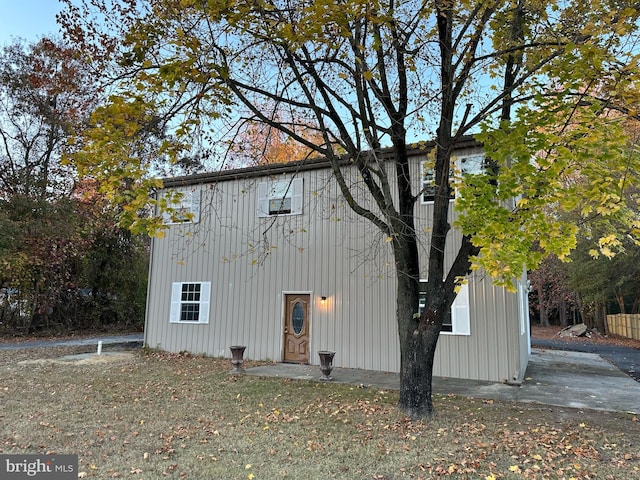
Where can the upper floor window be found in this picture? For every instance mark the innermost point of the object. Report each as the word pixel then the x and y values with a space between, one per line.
pixel 185 205
pixel 470 164
pixel 280 197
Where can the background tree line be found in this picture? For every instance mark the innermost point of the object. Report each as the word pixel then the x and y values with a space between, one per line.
pixel 594 282
pixel 586 289
pixel 65 263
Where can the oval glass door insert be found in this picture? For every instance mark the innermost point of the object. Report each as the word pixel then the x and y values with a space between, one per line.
pixel 297 318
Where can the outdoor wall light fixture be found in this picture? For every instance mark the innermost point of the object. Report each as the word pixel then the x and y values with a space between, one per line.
pixel 323 299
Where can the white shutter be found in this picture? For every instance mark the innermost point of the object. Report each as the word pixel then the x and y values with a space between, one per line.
pixel 205 298
pixel 262 208
pixel 460 312
pixel 176 292
pixel 195 205
pixel 523 306
pixel 296 191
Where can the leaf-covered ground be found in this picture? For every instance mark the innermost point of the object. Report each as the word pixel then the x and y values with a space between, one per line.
pixel 173 416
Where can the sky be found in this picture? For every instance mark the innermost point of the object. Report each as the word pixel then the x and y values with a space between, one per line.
pixel 28 19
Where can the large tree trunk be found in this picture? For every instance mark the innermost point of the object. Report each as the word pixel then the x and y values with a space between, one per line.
pixel 418 340
pixel 418 348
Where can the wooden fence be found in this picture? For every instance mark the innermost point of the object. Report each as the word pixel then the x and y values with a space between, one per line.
pixel 624 325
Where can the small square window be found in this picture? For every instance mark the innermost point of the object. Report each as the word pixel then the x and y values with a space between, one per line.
pixel 471 164
pixel 190 302
pixel 280 197
pixel 186 208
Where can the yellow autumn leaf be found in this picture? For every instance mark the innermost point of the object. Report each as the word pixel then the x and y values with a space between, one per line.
pixel 537 456
pixel 247 466
pixel 490 477
pixel 251 476
pixel 514 468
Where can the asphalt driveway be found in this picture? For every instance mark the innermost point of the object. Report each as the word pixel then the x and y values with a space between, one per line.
pixel 626 359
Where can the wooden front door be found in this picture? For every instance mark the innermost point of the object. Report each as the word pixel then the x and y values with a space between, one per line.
pixel 296 328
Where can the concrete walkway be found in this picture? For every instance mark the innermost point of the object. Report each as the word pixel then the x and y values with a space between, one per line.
pixel 560 378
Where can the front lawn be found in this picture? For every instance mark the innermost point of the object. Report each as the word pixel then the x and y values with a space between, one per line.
pixel 154 415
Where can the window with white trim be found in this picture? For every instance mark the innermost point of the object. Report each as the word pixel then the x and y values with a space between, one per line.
pixel 186 207
pixel 280 197
pixel 457 321
pixel 190 302
pixel 470 164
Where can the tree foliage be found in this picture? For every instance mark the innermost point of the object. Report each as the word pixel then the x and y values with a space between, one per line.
pixel 602 274
pixel 258 143
pixel 48 228
pixel 538 79
pixel 44 97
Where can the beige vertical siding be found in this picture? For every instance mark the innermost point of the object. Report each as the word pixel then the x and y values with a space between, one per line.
pixel 327 251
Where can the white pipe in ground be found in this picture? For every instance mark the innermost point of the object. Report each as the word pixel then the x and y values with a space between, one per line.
pixel 99 347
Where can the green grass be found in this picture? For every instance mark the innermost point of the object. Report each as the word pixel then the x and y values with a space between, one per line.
pixel 171 416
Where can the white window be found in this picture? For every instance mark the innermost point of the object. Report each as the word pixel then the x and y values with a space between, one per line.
pixel 190 302
pixel 281 197
pixel 523 306
pixel 457 321
pixel 185 205
pixel 429 183
pixel 471 164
